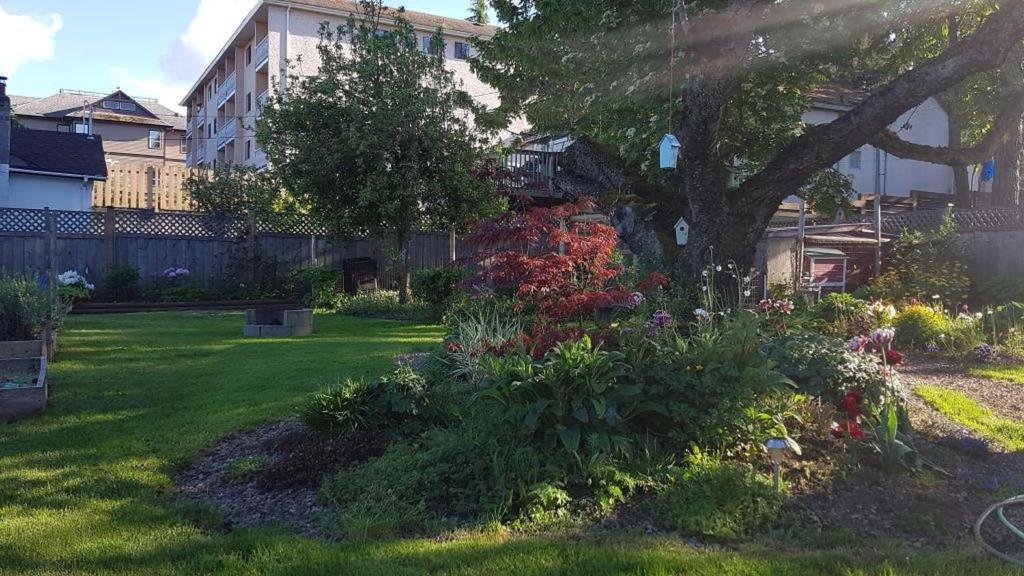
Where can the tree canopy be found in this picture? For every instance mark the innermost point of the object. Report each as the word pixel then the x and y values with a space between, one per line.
pixel 731 80
pixel 378 143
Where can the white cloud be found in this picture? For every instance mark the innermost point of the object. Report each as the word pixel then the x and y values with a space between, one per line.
pixel 151 86
pixel 213 24
pixel 25 38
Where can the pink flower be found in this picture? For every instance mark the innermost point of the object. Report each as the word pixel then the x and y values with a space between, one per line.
pixel 858 343
pixel 766 304
pixel 883 337
pixel 785 306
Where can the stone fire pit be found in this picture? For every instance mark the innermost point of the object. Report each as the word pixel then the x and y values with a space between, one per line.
pixel 278 322
pixel 23 387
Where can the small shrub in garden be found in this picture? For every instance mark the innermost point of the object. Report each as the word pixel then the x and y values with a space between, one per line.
pixel 826 367
pixel 923 264
pixel 383 304
pixel 123 283
pixel 395 401
pixel 475 334
pixel 438 287
pixel 919 325
pixel 23 309
pixel 317 287
pixel 72 286
pixel 716 499
pixel 842 314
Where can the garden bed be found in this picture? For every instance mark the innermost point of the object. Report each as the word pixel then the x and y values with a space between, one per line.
pixel 125 307
pixel 23 386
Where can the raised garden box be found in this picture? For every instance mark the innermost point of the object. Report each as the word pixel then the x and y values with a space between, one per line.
pixel 23 386
pixel 276 322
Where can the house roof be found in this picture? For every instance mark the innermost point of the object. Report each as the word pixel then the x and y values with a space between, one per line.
pixel 420 19
pixel 74 155
pixel 69 103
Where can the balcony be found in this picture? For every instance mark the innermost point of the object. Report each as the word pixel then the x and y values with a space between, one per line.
pixel 261 101
pixel 200 153
pixel 227 133
pixel 226 89
pixel 529 172
pixel 262 53
pixel 188 127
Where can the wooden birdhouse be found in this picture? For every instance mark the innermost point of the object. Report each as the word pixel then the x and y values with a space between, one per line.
pixel 669 150
pixel 682 232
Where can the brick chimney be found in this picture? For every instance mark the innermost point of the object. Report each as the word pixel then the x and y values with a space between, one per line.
pixel 5 141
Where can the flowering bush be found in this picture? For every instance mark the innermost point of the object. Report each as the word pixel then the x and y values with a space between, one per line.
pixel 985 353
pixel 72 286
pixel 172 273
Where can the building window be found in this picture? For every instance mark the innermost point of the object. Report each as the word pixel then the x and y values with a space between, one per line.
pixel 155 138
pixel 129 106
pixel 110 105
pixel 248 149
pixel 461 51
pixel 184 145
pixel 854 160
pixel 248 102
pixel 426 44
pixel 81 128
pixel 63 128
pixel 248 55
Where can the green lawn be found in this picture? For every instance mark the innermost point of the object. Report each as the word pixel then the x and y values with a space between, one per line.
pixel 967 412
pixel 85 489
pixel 1007 372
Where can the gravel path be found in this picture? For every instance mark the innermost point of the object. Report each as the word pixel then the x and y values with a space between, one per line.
pixel 1004 398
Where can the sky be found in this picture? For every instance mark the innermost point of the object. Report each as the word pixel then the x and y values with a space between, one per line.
pixel 148 48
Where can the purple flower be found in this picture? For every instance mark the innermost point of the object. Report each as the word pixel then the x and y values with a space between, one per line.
pixel 858 343
pixel 633 300
pixel 662 318
pixel 883 337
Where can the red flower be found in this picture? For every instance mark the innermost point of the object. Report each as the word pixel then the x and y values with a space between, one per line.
pixel 452 346
pixel 653 281
pixel 847 427
pixel 893 358
pixel 850 404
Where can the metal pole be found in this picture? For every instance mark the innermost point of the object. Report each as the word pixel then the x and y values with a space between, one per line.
pixel 801 234
pixel 878 234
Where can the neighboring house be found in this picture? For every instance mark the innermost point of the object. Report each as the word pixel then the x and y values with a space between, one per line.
pixel 224 103
pixel 46 168
pixel 135 130
pixel 876 172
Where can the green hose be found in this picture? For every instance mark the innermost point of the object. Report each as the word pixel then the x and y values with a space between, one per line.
pixel 998 509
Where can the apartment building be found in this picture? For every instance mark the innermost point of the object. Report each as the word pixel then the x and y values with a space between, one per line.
pixel 224 104
pixel 134 130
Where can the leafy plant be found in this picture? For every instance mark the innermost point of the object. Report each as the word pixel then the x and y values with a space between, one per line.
pixel 842 314
pixel 317 286
pixel 575 399
pixel 716 499
pixel 826 367
pixel 438 287
pixel 923 265
pixel 383 304
pixel 123 283
pixel 479 332
pixel 918 325
pixel 23 309
pixel 399 401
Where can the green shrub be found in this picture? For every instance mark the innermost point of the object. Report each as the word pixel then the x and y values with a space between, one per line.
pixel 842 314
pixel 317 287
pixel 575 399
pixel 123 283
pixel 474 333
pixel 384 304
pixel 23 309
pixel 1000 289
pixel 474 472
pixel 715 499
pixel 398 400
pixel 924 264
pixel 918 325
pixel 438 287
pixel 825 367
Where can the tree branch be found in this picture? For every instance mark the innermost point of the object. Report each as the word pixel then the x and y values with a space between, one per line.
pixel 1000 133
pixel 823 145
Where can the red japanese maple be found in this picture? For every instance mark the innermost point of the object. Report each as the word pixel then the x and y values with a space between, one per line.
pixel 554 260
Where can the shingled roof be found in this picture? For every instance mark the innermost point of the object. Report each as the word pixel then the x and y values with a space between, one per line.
pixel 69 103
pixel 74 155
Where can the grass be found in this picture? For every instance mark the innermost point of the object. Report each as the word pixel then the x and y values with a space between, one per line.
pixel 967 412
pixel 86 489
pixel 1007 372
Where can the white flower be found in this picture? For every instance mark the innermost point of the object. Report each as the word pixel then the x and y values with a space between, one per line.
pixel 702 315
pixel 746 293
pixel 935 296
pixel 718 268
pixel 704 273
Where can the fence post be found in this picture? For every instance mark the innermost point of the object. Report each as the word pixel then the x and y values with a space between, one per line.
pixel 110 237
pixel 51 257
pixel 451 246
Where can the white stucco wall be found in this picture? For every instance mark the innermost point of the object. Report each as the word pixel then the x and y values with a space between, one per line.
pixel 880 172
pixel 35 191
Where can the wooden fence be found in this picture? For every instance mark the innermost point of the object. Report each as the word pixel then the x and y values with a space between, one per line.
pixel 217 251
pixel 143 186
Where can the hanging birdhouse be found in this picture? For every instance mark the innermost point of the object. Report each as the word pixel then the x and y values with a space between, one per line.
pixel 682 232
pixel 669 149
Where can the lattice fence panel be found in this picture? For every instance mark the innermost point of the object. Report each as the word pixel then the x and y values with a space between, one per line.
pixel 79 222
pixel 980 219
pixel 299 224
pixel 179 224
pixel 22 220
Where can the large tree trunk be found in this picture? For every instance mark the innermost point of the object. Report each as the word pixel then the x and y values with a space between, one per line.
pixel 1006 184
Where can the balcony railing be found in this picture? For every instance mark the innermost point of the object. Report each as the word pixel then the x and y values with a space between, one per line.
pixel 261 101
pixel 530 172
pixel 226 89
pixel 226 133
pixel 200 152
pixel 262 53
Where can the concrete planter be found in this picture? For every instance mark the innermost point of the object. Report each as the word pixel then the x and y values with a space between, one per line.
pixel 277 323
pixel 23 357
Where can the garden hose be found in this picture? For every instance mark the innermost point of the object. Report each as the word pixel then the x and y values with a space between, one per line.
pixel 998 509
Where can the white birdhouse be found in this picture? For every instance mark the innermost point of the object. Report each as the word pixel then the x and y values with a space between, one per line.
pixel 682 232
pixel 669 148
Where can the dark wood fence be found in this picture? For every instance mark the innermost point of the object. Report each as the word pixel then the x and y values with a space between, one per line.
pixel 214 249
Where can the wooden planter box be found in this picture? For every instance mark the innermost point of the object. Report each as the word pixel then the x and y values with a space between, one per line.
pixel 24 356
